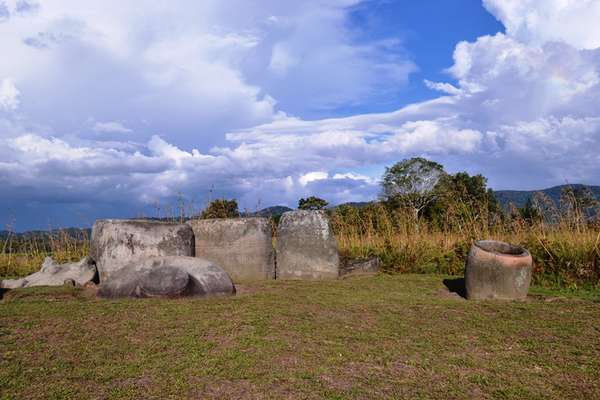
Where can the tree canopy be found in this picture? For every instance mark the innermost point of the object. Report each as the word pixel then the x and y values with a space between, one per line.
pixel 411 183
pixel 312 203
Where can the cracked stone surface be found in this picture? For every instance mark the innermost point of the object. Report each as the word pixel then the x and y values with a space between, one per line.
pixel 116 243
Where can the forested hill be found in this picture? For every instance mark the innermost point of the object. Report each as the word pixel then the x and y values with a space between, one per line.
pixel 268 212
pixel 72 233
pixel 519 197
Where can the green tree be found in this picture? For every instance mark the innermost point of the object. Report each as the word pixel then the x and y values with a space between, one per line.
pixel 221 208
pixel 530 212
pixel 462 198
pixel 470 190
pixel 410 183
pixel 312 203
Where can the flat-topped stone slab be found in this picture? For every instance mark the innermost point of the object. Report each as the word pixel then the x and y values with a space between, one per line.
pixel 243 247
pixel 167 277
pixel 306 247
pixel 116 243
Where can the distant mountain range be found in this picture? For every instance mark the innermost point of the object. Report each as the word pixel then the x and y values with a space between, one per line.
pixel 75 233
pixel 357 204
pixel 520 197
pixel 274 211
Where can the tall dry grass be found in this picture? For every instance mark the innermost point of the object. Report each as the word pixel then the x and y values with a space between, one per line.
pixel 565 247
pixel 21 256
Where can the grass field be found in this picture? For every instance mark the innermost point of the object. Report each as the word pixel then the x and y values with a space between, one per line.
pixel 402 336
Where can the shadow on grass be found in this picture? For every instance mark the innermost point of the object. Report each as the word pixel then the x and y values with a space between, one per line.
pixel 456 285
pixel 2 292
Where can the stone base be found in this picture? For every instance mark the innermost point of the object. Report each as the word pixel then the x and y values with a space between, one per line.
pixel 306 247
pixel 243 247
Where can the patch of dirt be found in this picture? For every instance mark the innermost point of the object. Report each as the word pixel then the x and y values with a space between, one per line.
pixel 141 382
pixel 244 289
pixel 225 389
pixel 445 293
pixel 335 383
pixel 355 374
pixel 358 274
pixel 547 299
pixel 287 361
pixel 90 290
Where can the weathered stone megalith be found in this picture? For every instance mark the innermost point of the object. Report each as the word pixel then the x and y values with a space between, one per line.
pixel 497 270
pixel 243 247
pixel 167 277
pixel 116 243
pixel 306 247
pixel 54 274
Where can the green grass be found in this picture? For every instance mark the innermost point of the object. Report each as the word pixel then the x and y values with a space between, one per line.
pixel 392 337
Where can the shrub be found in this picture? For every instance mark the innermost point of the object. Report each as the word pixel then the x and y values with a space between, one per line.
pixel 221 208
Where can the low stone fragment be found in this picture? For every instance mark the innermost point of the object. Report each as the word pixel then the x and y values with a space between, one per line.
pixel 365 266
pixel 53 274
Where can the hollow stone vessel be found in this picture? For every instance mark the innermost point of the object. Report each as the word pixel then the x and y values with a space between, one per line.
pixel 243 247
pixel 167 277
pixel 306 247
pixel 497 270
pixel 116 243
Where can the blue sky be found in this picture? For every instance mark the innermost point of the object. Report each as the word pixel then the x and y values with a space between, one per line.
pixel 117 109
pixel 430 30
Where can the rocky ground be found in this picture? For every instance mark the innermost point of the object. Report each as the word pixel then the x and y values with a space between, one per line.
pixel 403 336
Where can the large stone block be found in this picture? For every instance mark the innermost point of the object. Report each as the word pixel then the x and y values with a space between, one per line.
pixel 243 247
pixel 497 270
pixel 306 247
pixel 116 243
pixel 167 277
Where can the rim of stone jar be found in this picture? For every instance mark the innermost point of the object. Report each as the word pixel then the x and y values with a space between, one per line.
pixel 495 247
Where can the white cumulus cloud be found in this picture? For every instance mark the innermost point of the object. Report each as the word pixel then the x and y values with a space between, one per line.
pixel 9 95
pixel 213 103
pixel 111 127
pixel 574 22
pixel 312 177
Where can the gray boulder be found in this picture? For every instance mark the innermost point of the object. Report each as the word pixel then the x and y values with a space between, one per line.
pixel 306 246
pixel 54 274
pixel 167 277
pixel 116 243
pixel 243 247
pixel 164 282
